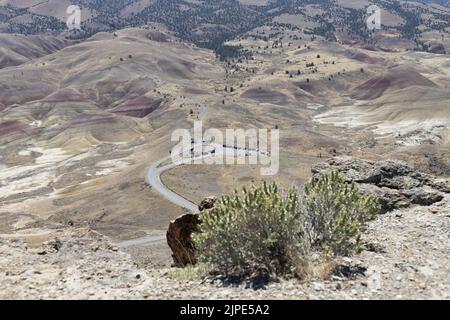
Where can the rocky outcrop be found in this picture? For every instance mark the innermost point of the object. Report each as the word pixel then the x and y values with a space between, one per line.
pixel 436 47
pixel 75 264
pixel 397 184
pixel 405 256
pixel 180 232
pixel 180 241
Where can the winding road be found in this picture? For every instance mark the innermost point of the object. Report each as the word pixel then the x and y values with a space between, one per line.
pixel 153 178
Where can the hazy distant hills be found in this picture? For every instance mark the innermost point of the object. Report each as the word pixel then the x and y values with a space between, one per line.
pixel 210 23
pixel 442 2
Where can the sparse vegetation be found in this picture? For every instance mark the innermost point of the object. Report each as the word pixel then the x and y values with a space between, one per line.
pixel 226 52
pixel 82 122
pixel 337 212
pixel 261 230
pixel 256 231
pixel 193 22
pixel 189 273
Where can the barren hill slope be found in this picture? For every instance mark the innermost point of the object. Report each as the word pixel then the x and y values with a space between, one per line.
pixel 92 109
pixel 17 49
pixel 81 122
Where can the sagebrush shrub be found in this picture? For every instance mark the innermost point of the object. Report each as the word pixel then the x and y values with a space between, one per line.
pixel 337 213
pixel 256 230
pixel 260 230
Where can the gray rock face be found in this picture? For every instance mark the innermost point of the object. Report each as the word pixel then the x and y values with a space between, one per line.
pixel 397 184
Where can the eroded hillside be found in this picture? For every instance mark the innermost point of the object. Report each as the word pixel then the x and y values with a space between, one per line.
pixel 84 115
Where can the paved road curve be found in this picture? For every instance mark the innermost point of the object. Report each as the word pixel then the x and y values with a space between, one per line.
pixel 153 178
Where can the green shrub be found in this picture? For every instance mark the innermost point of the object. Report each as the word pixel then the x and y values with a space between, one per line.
pixel 255 231
pixel 260 230
pixel 337 213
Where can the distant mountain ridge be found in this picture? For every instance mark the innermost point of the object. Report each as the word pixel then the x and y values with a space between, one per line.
pixel 441 2
pixel 211 23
